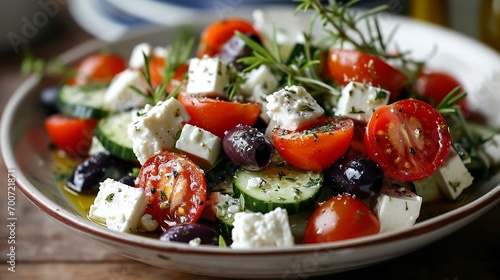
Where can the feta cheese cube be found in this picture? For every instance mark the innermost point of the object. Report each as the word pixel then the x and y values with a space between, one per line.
pixel 453 177
pixel 257 230
pixel 359 101
pixel 118 206
pixel 208 76
pixel 491 150
pixel 202 146
pixel 292 107
pixel 428 188
pixel 261 78
pixel 119 94
pixel 396 208
pixel 154 128
pixel 136 60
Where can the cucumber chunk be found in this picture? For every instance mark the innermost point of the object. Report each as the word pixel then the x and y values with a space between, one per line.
pixel 279 185
pixel 85 102
pixel 112 133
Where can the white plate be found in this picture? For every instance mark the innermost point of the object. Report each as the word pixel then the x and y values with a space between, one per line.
pixel 24 145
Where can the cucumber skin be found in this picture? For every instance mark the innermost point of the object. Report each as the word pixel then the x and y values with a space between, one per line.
pixel 255 205
pixel 268 206
pixel 77 110
pixel 80 111
pixel 118 150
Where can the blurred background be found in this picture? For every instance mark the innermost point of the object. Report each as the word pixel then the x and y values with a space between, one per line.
pixel 51 27
pixel 31 21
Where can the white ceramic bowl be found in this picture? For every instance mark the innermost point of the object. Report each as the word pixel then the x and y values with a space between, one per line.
pixel 24 145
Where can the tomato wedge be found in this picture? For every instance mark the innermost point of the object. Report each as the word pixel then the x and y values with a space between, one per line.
pixel 156 72
pixel 317 146
pixel 71 135
pixel 218 116
pixel 218 33
pixel 345 66
pixel 99 68
pixel 175 188
pixel 409 139
pixel 339 218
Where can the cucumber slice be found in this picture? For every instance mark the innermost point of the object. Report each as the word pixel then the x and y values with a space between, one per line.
pixel 112 133
pixel 85 102
pixel 279 185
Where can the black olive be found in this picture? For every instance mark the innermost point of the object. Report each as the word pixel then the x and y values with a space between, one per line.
pixel 189 232
pixel 356 175
pixel 248 147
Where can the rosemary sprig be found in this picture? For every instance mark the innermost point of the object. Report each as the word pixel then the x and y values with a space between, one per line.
pixel 177 55
pixel 302 71
pixel 36 65
pixel 458 125
pixel 341 25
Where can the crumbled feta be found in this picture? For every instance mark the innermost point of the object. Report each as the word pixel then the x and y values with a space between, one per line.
pixel 257 230
pixel 154 128
pixel 136 60
pixel 119 94
pixel 148 223
pixel 202 146
pixel 118 206
pixel 255 182
pixel 292 107
pixel 96 147
pixel 221 205
pixel 396 208
pixel 359 101
pixel 208 76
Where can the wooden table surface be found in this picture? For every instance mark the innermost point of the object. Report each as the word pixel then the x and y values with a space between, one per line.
pixel 46 250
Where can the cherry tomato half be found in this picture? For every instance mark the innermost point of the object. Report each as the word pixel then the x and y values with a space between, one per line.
pixel 98 68
pixel 71 135
pixel 175 188
pixel 339 218
pixel 218 116
pixel 409 139
pixel 218 33
pixel 345 66
pixel 435 86
pixel 317 146
pixel 157 69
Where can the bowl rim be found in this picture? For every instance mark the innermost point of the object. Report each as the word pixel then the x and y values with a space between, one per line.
pixel 86 227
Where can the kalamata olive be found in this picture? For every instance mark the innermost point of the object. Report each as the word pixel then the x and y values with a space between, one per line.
pixel 356 175
pixel 191 233
pixel 236 48
pixel 248 147
pixel 48 98
pixel 128 180
pixel 96 168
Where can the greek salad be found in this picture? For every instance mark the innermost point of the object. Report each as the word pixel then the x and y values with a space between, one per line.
pixel 259 136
